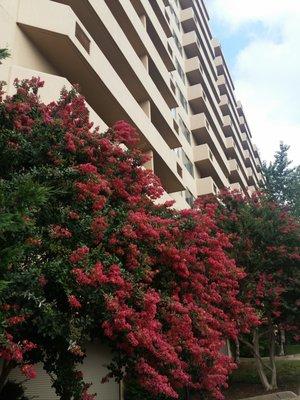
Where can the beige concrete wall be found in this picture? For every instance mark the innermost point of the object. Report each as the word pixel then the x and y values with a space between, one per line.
pixel 94 369
pixel 50 91
pixel 206 186
pixel 33 29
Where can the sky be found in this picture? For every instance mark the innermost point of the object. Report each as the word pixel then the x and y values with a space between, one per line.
pixel 261 41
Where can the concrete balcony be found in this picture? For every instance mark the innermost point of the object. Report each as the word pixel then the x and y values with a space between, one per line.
pixel 260 178
pixel 219 63
pixel 191 3
pixel 196 73
pixel 188 19
pixel 222 84
pixel 222 69
pixel 229 129
pixel 51 90
pixel 193 48
pixel 247 158
pixel 208 165
pixel 232 151
pixel 205 134
pixel 189 22
pixel 251 177
pixel 231 148
pixel 122 49
pixel 57 32
pixel 251 190
pixel 194 70
pixel 206 186
pixel 140 32
pixel 236 175
pixel 234 167
pixel 228 109
pixel 200 126
pixel 197 98
pixel 228 126
pixel 243 125
pixel 158 8
pixel 236 186
pixel 226 88
pixel 191 44
pixel 239 108
pixel 224 104
pixel 216 46
pixel 244 139
pixel 258 164
pixel 185 3
pixel 230 143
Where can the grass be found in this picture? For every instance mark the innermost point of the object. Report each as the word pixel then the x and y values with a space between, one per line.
pixel 244 382
pixel 288 371
pixel 293 349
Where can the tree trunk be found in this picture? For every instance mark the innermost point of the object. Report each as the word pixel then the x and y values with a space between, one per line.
pixel 282 342
pixel 237 351
pixel 186 393
pixel 272 358
pixel 258 362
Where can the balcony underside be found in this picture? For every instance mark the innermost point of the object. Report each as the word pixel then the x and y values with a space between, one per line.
pixel 105 95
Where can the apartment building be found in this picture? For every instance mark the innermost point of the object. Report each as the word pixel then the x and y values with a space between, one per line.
pixel 155 64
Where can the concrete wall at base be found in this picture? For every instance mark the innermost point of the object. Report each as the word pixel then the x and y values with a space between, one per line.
pixel 94 369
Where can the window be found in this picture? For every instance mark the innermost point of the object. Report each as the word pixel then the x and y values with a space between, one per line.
pixel 177 151
pixel 189 198
pixel 186 133
pixel 187 163
pixel 179 170
pixel 182 99
pixel 172 84
pixel 174 112
pixel 167 16
pixel 179 47
pixel 179 70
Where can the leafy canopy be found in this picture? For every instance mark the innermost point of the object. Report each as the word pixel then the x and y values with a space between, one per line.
pixel 283 181
pixel 86 254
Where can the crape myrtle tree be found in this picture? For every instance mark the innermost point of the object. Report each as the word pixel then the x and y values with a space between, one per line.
pixel 85 254
pixel 266 244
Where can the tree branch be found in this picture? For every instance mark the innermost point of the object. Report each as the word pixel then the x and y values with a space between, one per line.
pixel 256 354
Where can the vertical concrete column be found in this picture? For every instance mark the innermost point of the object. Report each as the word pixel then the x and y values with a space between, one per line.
pixel 146 107
pixel 145 61
pixel 143 19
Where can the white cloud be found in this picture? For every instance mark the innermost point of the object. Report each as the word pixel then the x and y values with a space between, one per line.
pixel 267 69
pixel 238 12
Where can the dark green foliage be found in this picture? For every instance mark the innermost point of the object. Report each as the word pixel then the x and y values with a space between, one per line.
pixel 13 391
pixel 283 181
pixel 4 53
pixel 288 372
pixel 133 391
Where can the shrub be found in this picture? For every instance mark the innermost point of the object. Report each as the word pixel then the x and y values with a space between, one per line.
pixel 86 253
